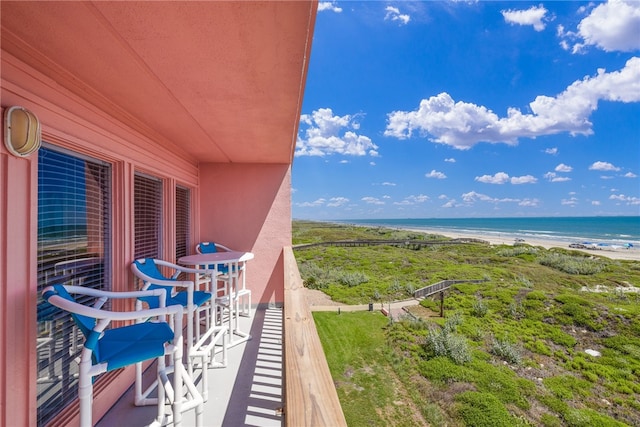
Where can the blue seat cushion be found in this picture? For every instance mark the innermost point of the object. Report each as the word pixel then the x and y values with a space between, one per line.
pixel 180 298
pixel 127 345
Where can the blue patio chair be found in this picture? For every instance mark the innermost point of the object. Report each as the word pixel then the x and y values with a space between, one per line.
pixel 201 345
pixel 106 349
pixel 243 295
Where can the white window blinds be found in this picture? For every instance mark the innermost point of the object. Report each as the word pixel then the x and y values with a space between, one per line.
pixel 183 198
pixel 147 216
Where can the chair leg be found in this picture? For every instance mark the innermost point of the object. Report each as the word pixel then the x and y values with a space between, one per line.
pixel 85 393
pixel 161 391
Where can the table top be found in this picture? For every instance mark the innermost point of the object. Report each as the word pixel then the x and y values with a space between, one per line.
pixel 215 258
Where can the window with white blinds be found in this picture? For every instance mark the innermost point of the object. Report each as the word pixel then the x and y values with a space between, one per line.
pixel 183 198
pixel 147 216
pixel 74 248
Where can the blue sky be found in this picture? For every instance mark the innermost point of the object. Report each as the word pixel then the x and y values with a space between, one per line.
pixel 458 109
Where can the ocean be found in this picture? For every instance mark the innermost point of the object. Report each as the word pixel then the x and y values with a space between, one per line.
pixel 605 230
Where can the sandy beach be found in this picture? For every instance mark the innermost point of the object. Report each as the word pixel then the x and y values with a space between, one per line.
pixel 509 239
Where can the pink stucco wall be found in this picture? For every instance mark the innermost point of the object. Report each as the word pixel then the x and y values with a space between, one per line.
pixel 18 228
pixel 248 207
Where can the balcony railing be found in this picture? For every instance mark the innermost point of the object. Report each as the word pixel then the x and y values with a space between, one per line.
pixel 310 394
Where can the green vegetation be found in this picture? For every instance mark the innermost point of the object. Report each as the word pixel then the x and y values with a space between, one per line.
pixel 510 351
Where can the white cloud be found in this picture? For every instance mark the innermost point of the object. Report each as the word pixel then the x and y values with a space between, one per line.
pixel 533 16
pixel 553 177
pixel 595 203
pixel 462 124
pixel 372 200
pixel 390 184
pixel 315 203
pixel 629 200
pixel 611 26
pixel 450 160
pixel 498 178
pixel 630 175
pixel 603 166
pixel 413 200
pixel 563 168
pixel 553 151
pixel 569 202
pixel 323 136
pixel 435 174
pixel 337 202
pixel 532 203
pixel 525 179
pixel 503 178
pixel 329 5
pixel 472 197
pixel 393 14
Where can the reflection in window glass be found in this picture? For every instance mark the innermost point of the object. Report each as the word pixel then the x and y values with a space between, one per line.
pixel 73 248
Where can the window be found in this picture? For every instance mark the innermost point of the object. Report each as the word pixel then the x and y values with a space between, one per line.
pixel 74 199
pixel 183 197
pixel 148 216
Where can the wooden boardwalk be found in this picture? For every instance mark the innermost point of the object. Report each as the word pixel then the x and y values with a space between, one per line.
pixel 411 244
pixel 441 287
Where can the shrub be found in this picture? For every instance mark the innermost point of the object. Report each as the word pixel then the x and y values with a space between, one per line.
pixel 549 420
pixel 443 369
pixel 479 308
pixel 536 295
pixel 559 337
pixel 573 264
pixel 525 282
pixel 483 410
pixel 517 250
pixel 314 276
pixel 452 322
pixel 409 289
pixel 506 350
pixel 352 279
pixel 539 347
pixel 445 342
pixel 515 311
pixel 567 386
pixel 589 418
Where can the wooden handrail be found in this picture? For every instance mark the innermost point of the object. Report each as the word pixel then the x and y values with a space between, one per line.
pixel 310 394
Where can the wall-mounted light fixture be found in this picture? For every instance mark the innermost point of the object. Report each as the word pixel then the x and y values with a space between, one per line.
pixel 21 131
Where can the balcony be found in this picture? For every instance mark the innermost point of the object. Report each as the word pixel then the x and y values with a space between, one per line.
pixel 279 377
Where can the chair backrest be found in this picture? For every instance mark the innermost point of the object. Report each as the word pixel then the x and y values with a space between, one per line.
pixel 148 267
pixel 206 248
pixel 84 323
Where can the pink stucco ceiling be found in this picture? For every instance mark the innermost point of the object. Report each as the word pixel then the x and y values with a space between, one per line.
pixel 222 80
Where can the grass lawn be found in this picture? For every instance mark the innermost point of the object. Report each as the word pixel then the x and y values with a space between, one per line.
pixel 356 347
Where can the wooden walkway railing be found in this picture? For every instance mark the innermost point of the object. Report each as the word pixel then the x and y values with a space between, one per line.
pixel 440 286
pixel 413 244
pixel 310 397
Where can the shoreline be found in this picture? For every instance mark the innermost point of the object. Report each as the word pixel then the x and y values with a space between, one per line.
pixel 631 254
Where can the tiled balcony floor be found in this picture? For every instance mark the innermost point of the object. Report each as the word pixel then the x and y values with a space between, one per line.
pixel 248 392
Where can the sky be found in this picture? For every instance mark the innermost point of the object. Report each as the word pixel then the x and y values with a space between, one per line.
pixel 463 109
